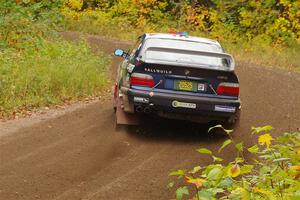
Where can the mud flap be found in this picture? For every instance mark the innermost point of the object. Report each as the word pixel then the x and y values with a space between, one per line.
pixel 124 117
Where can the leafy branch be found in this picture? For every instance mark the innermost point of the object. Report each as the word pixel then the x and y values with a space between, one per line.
pixel 273 173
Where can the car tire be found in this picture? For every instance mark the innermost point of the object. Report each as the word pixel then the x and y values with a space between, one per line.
pixel 233 122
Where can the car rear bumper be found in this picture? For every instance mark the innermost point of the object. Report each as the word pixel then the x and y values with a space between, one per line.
pixel 179 106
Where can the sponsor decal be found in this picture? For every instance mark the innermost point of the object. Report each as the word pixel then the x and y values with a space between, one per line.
pixel 140 100
pixel 201 87
pixel 222 77
pixel 220 108
pixel 178 104
pixel 160 71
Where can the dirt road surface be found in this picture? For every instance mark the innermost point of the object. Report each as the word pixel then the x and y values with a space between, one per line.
pixel 77 154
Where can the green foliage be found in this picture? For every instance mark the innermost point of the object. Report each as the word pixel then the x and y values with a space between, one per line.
pixel 273 173
pixel 37 67
pixel 180 192
pixel 275 21
pixel 58 72
pixel 204 151
pixel 24 24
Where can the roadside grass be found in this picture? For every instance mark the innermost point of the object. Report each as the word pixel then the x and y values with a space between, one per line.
pixel 263 55
pixel 258 51
pixel 37 67
pixel 98 24
pixel 58 72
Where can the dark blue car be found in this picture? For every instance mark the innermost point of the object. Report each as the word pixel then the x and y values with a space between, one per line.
pixel 179 77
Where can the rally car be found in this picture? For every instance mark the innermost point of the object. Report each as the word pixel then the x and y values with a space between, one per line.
pixel 176 76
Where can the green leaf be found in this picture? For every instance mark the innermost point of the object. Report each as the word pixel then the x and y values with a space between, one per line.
pixel 261 129
pixel 217 126
pixel 204 151
pixel 246 183
pixel 220 126
pixel 214 174
pixel 215 191
pixel 245 169
pixel 226 183
pixel 195 170
pixel 217 159
pixel 239 146
pixel 170 185
pixel 253 149
pixel 179 172
pixel 239 194
pixel 239 160
pixel 265 169
pixel 180 192
pixel 205 195
pixel 225 143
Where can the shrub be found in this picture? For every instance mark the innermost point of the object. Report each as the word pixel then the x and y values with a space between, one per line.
pixel 272 173
pixel 37 67
pixel 278 21
pixel 60 71
pixel 24 24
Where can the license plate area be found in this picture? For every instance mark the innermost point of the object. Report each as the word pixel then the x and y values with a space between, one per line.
pixel 185 85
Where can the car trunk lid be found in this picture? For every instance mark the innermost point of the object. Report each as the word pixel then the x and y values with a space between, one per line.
pixel 189 79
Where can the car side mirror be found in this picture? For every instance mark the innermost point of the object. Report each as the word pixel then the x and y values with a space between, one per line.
pixel 119 52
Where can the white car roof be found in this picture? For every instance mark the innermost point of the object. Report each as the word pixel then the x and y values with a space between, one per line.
pixel 181 37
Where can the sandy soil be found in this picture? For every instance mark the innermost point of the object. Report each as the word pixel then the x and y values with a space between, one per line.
pixel 75 153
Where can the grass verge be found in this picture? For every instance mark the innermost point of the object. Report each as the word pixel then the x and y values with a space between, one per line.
pixel 58 72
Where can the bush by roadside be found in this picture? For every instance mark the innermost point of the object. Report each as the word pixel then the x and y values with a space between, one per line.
pixel 271 171
pixel 59 71
pixel 39 68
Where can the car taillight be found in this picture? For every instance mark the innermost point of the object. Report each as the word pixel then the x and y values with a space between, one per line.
pixel 232 89
pixel 139 79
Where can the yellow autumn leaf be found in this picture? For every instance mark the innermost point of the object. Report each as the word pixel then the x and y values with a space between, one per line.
pixel 75 4
pixel 198 182
pixel 262 191
pixel 296 168
pixel 234 170
pixel 265 139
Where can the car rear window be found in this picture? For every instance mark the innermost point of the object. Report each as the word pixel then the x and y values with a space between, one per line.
pixel 181 52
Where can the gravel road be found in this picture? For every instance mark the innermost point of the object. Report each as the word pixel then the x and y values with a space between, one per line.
pixel 77 154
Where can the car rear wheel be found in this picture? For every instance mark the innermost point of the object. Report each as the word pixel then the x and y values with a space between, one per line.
pixel 233 121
